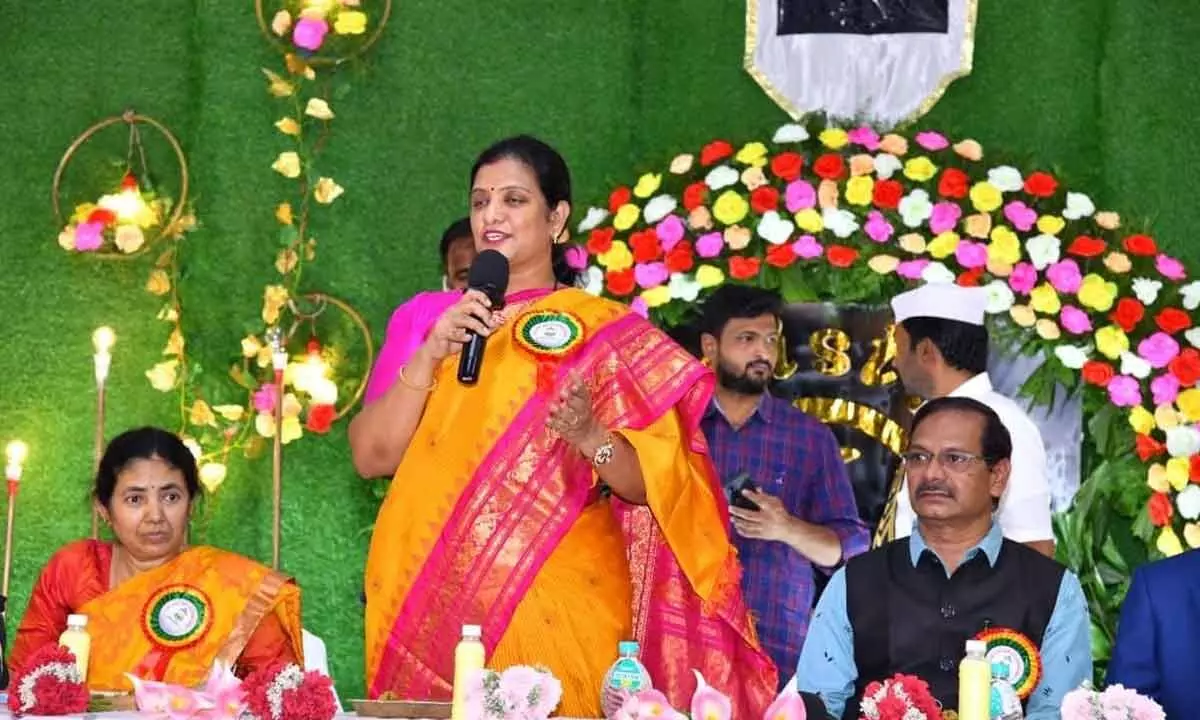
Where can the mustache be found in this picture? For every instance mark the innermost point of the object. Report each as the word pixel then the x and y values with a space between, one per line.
pixel 759 363
pixel 934 487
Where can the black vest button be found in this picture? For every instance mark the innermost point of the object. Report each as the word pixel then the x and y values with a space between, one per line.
pixel 948 611
pixel 947 665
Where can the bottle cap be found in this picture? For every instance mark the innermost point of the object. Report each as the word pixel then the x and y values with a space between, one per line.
pixel 976 647
pixel 76 620
pixel 627 647
pixel 472 631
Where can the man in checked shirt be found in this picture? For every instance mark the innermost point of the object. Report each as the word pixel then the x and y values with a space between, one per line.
pixel 806 515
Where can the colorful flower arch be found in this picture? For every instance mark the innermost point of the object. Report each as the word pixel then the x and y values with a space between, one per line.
pixel 850 216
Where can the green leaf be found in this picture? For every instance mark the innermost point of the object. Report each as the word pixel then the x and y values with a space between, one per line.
pixel 1142 528
pixel 793 287
pixel 242 378
pixel 288 234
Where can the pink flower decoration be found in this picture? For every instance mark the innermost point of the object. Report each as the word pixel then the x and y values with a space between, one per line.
pixel 640 307
pixel 1077 705
pixel 971 254
pixel 577 257
pixel 309 33
pixel 708 702
pixel 1125 391
pixel 1020 215
pixel 931 140
pixel 799 195
pixel 1159 349
pixel 1024 276
pixel 864 136
pixel 911 269
pixel 265 398
pixel 89 236
pixel 1164 388
pixel 1074 320
pixel 877 227
pixel 670 232
pixel 710 245
pixel 224 691
pixel 1169 267
pixel 1065 276
pixel 945 216
pixel 788 706
pixel 807 247
pixel 651 275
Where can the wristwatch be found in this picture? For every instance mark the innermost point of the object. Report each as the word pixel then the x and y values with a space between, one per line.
pixel 604 453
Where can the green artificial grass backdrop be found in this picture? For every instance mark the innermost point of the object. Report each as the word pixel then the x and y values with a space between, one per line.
pixel 1102 91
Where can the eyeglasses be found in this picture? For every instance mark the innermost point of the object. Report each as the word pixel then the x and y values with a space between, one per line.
pixel 955 461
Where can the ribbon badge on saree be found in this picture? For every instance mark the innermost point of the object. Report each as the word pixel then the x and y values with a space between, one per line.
pixel 176 617
pixel 549 336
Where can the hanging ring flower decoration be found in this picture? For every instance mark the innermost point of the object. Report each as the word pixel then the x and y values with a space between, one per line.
pixel 323 32
pixel 128 217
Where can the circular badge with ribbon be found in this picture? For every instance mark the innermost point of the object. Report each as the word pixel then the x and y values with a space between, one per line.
pixel 1014 659
pixel 177 616
pixel 549 336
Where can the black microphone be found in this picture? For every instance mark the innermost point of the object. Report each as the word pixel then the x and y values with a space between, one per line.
pixel 489 275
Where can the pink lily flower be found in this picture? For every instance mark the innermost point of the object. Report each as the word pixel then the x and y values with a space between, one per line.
pixel 708 703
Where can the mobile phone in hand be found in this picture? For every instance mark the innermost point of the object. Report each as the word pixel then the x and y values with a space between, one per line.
pixel 736 498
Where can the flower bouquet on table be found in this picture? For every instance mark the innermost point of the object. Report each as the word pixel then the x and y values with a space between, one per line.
pixel 287 692
pixel 49 684
pixel 519 693
pixel 1115 702
pixel 708 703
pixel 900 697
pixel 220 698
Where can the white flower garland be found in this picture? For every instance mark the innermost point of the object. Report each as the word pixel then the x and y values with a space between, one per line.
pixel 288 678
pixel 65 672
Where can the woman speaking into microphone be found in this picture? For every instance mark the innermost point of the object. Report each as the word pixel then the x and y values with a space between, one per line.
pixel 564 499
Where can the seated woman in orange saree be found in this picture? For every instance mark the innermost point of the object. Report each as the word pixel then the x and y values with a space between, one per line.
pixel 181 609
pixel 490 520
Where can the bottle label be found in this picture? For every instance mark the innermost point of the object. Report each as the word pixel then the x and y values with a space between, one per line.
pixel 627 675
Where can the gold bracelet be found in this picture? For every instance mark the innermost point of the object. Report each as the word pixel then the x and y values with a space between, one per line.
pixel 406 383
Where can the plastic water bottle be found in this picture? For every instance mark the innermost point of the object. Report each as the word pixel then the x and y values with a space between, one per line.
pixel 626 677
pixel 975 683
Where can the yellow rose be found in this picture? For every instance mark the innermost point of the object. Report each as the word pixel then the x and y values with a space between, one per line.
pixel 859 190
pixel 350 22
pixel 1118 262
pixel 292 430
pixel 1177 473
pixel 1022 315
pixel 883 264
pixel 834 138
pixel 1189 404
pixel 1005 246
pixel 656 296
pixel 212 475
pixel 327 191
pixel 274 298
pixel 162 376
pixel 287 164
pixel 1168 542
pixel 1111 341
pixel 919 169
pixel 626 216
pixel 1141 420
pixel 1050 224
pixel 1097 293
pixel 1166 416
pixel 283 213
pixel 82 210
pixel 754 153
pixel 999 268
pixel 1156 478
pixel 1044 299
pixel 319 109
pixel 986 197
pixel 730 207
pixel 809 220
pixel 913 243
pixel 202 414
pixel 646 185
pixel 232 413
pixel 708 276
pixel 616 258
pixel 943 244
pixel 288 126
pixel 1048 329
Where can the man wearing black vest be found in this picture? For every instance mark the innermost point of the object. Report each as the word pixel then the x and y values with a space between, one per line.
pixel 911 605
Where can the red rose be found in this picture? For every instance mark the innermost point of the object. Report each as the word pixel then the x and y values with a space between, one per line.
pixel 1194 468
pixel 781 256
pixel 1186 367
pixel 102 216
pixel 743 268
pixel 841 256
pixel 887 194
pixel 1172 320
pixel 830 167
pixel 1097 373
pixel 954 183
pixel 1147 447
pixel 1041 184
pixel 645 246
pixel 714 152
pixel 1140 245
pixel 1084 246
pixel 970 278
pixel 764 199
pixel 320 418
pixel 620 196
pixel 680 258
pixel 1128 313
pixel 1160 509
pixel 694 195
pixel 600 240
pixel 620 283
pixel 787 166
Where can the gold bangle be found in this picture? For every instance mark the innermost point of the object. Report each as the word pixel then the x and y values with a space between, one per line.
pixel 406 383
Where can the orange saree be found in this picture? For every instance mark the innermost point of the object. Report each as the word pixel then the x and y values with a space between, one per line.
pixel 493 520
pixel 171 623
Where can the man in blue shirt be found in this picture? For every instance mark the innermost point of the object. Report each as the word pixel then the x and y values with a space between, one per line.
pixel 911 605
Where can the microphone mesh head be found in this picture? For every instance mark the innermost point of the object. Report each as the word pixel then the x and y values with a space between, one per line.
pixel 489 273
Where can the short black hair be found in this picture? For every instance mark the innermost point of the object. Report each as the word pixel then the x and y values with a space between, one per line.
pixel 996 443
pixel 730 302
pixel 963 346
pixel 142 444
pixel 459 229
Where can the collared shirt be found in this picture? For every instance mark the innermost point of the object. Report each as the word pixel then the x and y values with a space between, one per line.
pixel 796 458
pixel 1024 513
pixel 827 664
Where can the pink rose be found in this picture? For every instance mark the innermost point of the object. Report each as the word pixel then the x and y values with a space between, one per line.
pixel 932 141
pixel 309 33
pixel 1020 215
pixel 265 398
pixel 807 247
pixel 1125 391
pixel 799 195
pixel 89 236
pixel 911 269
pixel 1170 268
pixel 710 245
pixel 651 275
pixel 1065 276
pixel 1023 278
pixel 1159 349
pixel 864 136
pixel 577 257
pixel 640 307
pixel 945 216
pixel 670 232
pixel 1164 388
pixel 877 227
pixel 971 254
pixel 1074 320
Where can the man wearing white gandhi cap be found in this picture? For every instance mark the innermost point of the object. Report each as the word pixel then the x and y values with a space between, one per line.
pixel 942 349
